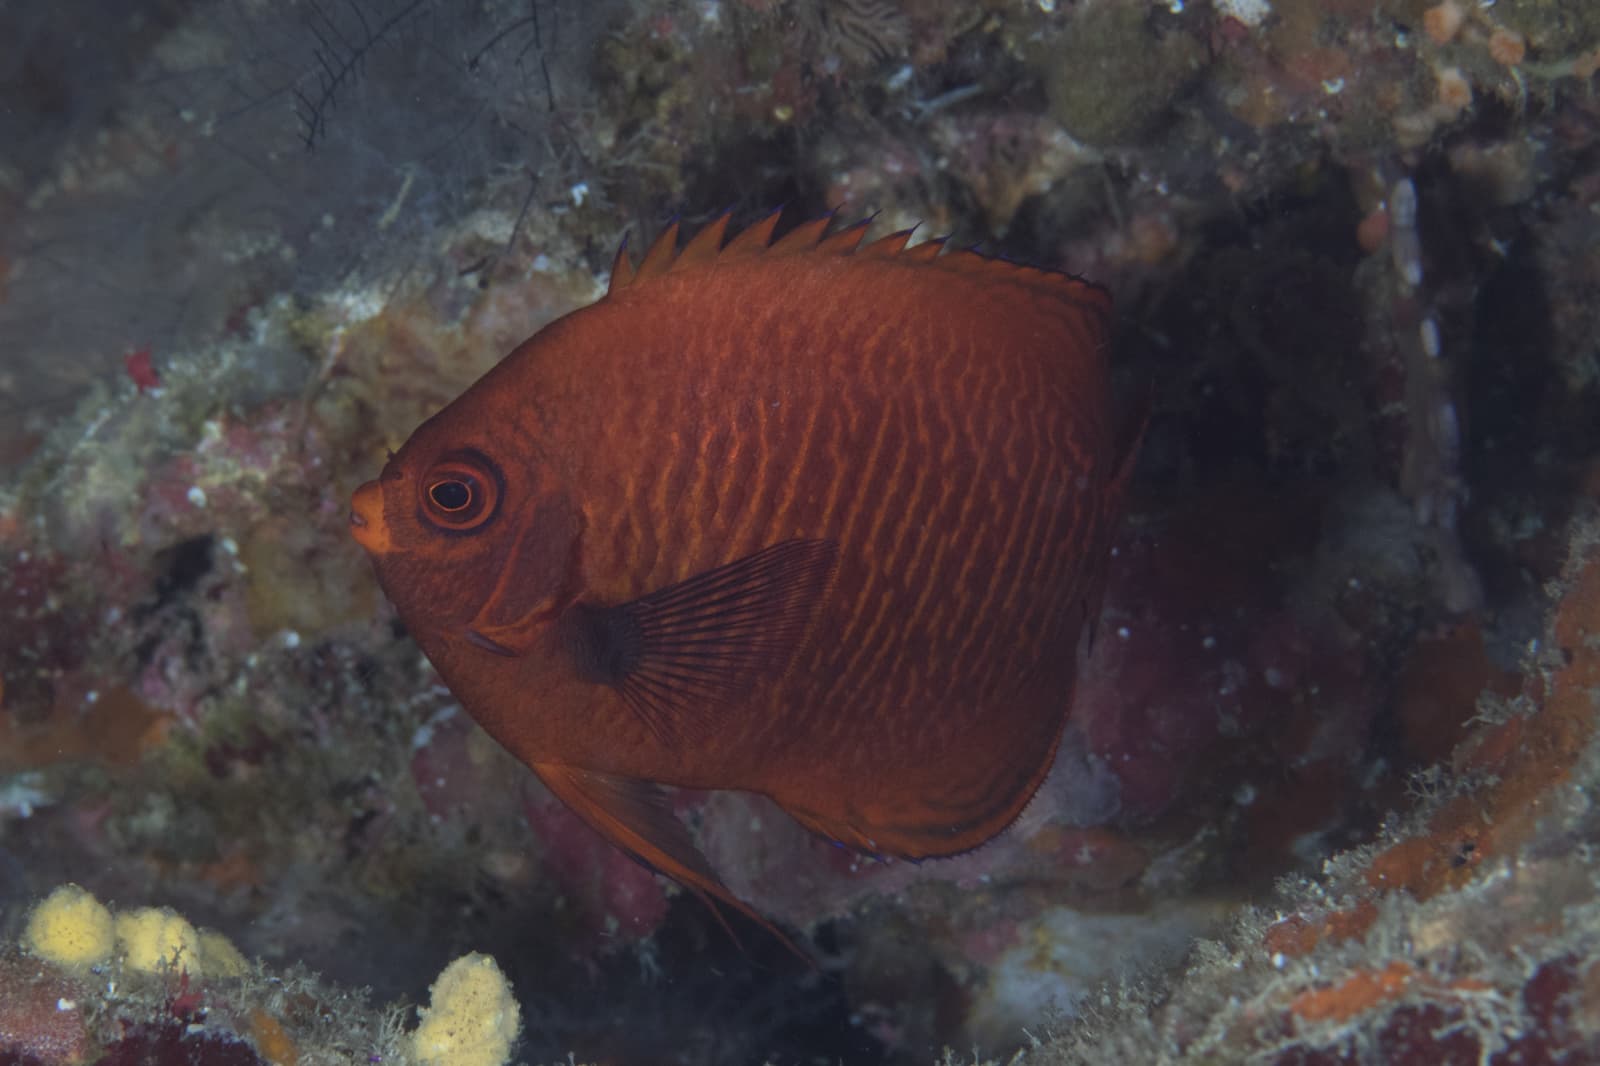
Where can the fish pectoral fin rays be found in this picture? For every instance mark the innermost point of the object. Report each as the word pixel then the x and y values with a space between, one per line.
pixel 634 815
pixel 680 654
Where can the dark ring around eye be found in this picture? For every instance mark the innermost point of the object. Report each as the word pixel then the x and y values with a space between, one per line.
pixel 460 492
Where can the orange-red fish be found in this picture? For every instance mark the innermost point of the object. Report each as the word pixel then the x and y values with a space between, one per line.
pixel 811 519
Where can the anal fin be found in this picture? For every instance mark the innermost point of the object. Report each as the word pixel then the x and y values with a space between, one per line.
pixel 634 815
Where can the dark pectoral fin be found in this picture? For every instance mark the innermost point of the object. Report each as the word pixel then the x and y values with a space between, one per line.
pixel 678 654
pixel 635 816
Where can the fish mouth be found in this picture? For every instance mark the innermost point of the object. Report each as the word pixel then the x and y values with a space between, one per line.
pixel 366 518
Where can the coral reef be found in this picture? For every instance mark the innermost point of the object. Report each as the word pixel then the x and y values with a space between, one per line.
pixel 1324 795
pixel 1464 933
pixel 163 993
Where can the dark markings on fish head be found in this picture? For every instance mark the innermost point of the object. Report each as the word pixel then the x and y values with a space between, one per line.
pixel 467 535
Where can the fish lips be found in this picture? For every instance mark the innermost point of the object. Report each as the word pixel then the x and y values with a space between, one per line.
pixel 366 519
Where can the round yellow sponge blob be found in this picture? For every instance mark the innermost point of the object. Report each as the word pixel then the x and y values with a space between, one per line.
pixel 70 928
pixel 472 1019
pixel 153 939
pixel 218 956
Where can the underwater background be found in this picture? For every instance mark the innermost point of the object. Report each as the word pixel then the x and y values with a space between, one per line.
pixel 1326 792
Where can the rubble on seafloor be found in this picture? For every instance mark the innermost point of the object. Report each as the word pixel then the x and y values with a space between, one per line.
pixel 1325 793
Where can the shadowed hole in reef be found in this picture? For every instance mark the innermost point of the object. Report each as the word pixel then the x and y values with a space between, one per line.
pixel 750 174
pixel 1524 423
pixel 689 996
pixel 179 568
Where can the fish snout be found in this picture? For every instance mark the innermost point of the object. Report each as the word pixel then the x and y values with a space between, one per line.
pixel 366 518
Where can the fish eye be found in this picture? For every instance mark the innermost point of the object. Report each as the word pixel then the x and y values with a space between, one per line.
pixel 452 495
pixel 460 492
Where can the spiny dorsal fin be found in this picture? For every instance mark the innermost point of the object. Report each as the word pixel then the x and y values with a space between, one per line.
pixel 803 238
pixel 846 240
pixel 621 268
pixel 1051 282
pixel 707 248
pixel 887 247
pixel 705 245
pixel 660 255
pixel 754 239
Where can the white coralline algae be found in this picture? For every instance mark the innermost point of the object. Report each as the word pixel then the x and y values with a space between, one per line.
pixel 1249 12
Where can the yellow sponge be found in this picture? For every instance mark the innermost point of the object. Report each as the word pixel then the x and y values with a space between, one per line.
pixel 70 928
pixel 158 938
pixel 472 1019
pixel 218 956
